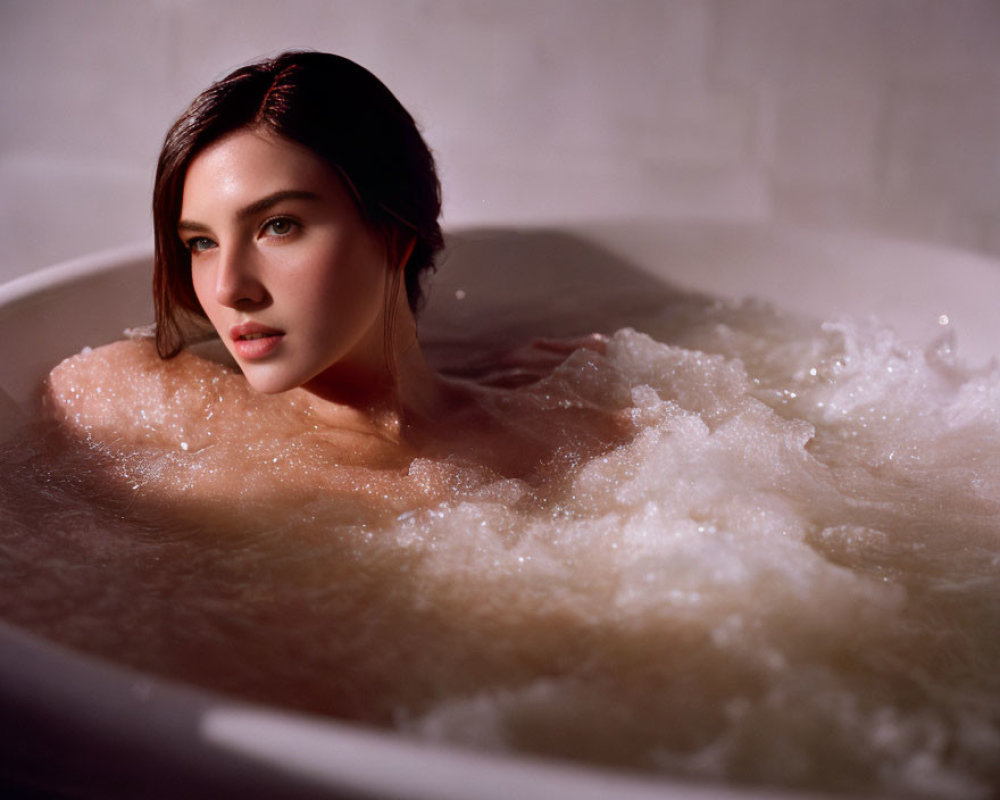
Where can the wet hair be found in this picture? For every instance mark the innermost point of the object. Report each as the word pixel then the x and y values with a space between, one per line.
pixel 343 114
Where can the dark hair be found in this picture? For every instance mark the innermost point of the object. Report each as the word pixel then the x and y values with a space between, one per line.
pixel 339 111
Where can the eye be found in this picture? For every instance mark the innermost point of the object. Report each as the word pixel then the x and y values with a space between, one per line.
pixel 279 226
pixel 199 244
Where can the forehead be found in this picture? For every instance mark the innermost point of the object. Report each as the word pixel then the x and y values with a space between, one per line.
pixel 246 165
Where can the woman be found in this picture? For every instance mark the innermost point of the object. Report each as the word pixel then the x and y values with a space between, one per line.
pixel 251 517
pixel 748 587
pixel 296 210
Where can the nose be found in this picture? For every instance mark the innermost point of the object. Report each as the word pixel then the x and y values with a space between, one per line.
pixel 237 279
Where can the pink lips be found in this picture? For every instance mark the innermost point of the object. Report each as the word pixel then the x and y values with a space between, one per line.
pixel 253 341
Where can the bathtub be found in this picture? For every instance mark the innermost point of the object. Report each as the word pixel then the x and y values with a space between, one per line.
pixel 78 725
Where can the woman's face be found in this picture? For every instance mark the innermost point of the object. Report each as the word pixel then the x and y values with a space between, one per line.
pixel 282 263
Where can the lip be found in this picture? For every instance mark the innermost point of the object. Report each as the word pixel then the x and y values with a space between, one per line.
pixel 264 342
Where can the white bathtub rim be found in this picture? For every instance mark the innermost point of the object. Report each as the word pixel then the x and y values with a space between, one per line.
pixel 57 275
pixel 977 339
pixel 113 258
pixel 317 756
pixel 332 754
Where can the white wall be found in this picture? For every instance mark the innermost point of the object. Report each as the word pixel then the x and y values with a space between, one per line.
pixel 876 115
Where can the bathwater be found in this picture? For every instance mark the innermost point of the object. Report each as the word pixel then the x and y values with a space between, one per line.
pixel 786 571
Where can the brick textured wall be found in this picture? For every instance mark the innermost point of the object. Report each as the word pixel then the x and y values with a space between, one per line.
pixel 870 115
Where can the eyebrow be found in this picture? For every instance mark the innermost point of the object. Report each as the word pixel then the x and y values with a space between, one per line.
pixel 256 207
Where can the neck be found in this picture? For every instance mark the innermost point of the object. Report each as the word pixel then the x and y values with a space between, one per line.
pixel 392 392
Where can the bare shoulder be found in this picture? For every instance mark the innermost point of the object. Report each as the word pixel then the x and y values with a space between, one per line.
pixel 124 392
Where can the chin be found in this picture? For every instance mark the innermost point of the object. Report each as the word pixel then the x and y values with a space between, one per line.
pixel 269 383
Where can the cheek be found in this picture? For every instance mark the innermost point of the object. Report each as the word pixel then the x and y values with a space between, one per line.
pixel 204 293
pixel 352 284
pixel 198 283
